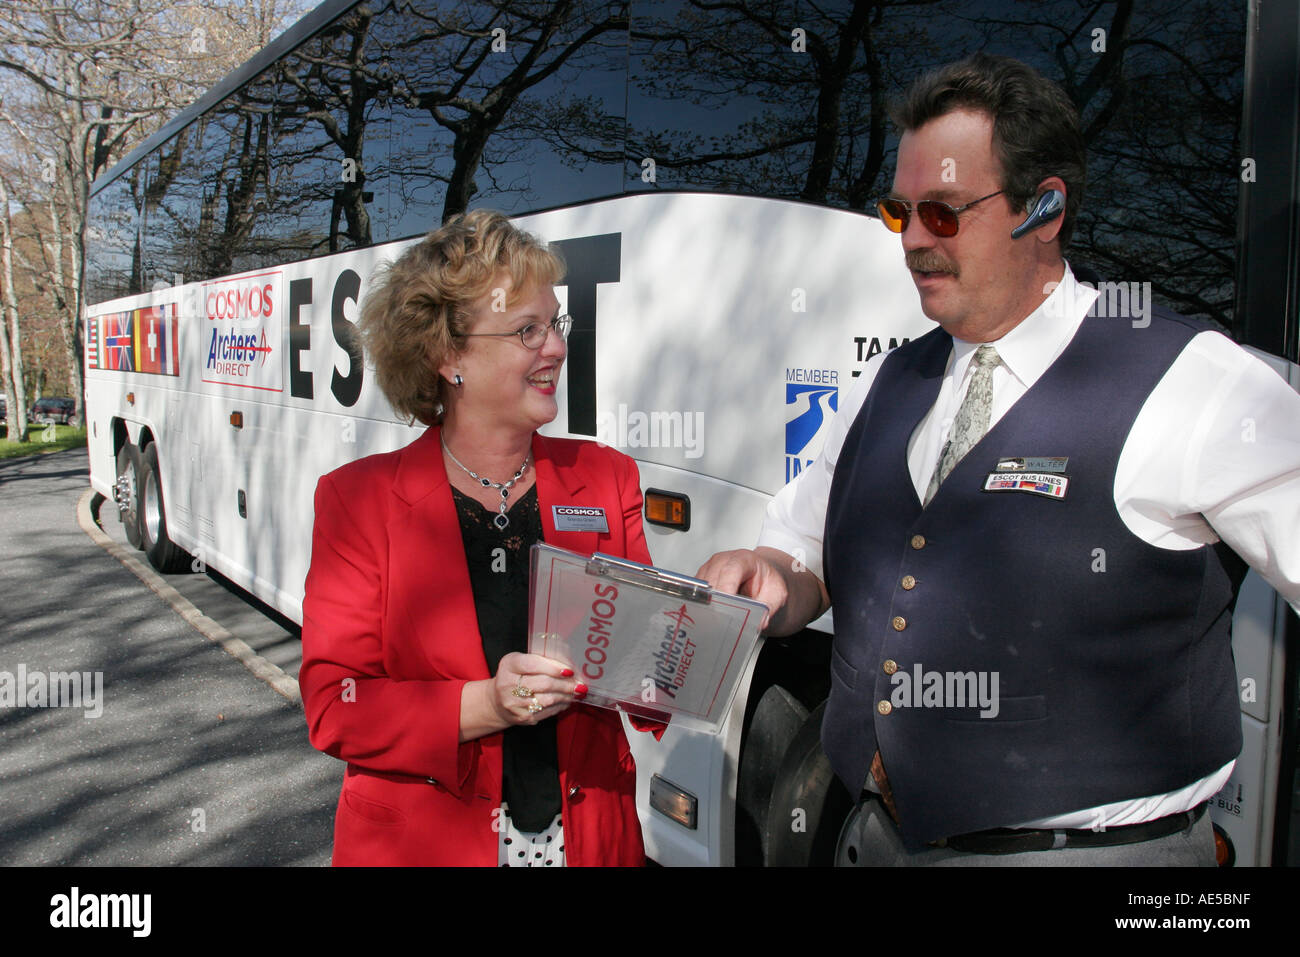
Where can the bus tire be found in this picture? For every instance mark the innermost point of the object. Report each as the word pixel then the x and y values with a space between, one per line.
pixel 809 804
pixel 127 492
pixel 163 553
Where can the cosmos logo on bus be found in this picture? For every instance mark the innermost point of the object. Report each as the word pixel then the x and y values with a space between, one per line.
pixel 811 399
pixel 241 319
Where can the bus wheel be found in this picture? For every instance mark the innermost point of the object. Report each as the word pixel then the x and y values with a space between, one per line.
pixel 809 804
pixel 163 553
pixel 126 492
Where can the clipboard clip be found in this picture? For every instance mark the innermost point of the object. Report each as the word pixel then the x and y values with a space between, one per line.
pixel 646 576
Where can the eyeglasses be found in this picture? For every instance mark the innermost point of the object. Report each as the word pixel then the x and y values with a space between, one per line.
pixel 939 218
pixel 533 335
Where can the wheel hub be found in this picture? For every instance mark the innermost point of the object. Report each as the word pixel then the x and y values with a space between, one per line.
pixel 124 492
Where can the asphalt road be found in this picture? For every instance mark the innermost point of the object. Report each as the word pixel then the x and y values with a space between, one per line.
pixel 193 760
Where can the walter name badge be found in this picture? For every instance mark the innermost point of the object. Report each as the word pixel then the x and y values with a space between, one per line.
pixel 1032 463
pixel 579 518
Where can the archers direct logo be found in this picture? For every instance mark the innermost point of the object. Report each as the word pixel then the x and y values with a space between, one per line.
pixel 672 659
pixel 242 332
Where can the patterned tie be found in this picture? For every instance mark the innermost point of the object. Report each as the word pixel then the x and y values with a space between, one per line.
pixel 972 419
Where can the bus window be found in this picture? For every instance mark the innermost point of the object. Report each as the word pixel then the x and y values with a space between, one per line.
pixel 534 121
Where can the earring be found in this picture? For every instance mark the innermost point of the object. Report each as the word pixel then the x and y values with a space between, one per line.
pixel 457 381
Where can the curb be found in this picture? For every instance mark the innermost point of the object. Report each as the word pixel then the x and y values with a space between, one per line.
pixel 280 682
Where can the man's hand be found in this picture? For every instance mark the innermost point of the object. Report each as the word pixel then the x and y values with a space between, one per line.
pixel 794 596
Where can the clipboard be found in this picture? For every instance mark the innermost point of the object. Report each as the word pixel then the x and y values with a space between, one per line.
pixel 645 640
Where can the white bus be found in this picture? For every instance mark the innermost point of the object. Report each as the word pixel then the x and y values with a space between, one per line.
pixel 708 175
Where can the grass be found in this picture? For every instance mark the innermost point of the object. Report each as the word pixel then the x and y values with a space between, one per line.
pixel 42 439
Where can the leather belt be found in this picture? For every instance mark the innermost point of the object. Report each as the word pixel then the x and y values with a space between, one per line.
pixel 882 782
pixel 1011 840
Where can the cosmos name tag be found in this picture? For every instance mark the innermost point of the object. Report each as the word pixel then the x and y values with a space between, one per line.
pixel 1032 463
pixel 579 518
pixel 1037 483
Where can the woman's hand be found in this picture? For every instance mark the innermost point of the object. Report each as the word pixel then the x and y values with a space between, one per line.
pixel 527 689
pixel 530 688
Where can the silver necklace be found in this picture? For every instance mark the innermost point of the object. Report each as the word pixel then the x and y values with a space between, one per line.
pixel 501 520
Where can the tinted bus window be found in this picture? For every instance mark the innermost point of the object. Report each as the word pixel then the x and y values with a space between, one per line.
pixel 790 99
pixel 516 107
pixel 175 188
pixel 731 100
pixel 401 114
pixel 111 252
pixel 235 142
pixel 328 186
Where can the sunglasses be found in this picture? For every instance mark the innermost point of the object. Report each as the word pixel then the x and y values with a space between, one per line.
pixel 939 218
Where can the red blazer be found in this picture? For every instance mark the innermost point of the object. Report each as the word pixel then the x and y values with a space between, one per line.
pixel 390 636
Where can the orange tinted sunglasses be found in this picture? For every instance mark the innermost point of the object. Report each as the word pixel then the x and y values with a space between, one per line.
pixel 939 218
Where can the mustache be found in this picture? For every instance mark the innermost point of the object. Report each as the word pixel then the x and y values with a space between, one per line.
pixel 927 260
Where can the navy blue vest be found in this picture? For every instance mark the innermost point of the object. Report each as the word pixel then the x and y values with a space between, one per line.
pixel 1112 684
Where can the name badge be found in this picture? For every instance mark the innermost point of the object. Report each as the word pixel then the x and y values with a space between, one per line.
pixel 579 518
pixel 1037 483
pixel 1032 463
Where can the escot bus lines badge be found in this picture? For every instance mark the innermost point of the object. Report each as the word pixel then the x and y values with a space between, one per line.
pixel 1037 483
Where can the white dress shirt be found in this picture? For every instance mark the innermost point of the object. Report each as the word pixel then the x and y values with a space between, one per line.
pixel 1213 454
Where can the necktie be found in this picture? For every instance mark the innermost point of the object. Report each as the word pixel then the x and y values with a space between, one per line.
pixel 972 419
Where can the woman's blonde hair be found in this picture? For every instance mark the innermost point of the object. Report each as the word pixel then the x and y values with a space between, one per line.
pixel 420 306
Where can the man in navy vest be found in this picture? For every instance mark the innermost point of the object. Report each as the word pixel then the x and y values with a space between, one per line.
pixel 1032 523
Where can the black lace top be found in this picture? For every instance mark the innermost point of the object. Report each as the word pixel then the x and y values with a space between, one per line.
pixel 498 576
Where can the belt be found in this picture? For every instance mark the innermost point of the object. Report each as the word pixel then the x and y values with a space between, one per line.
pixel 1011 840
pixel 882 783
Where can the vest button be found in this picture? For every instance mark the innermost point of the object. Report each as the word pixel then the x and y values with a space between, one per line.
pixel 899 623
pixel 918 541
pixel 890 666
pixel 908 582
pixel 884 707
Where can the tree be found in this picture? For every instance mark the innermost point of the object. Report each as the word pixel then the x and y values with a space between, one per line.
pixel 88 81
pixel 11 353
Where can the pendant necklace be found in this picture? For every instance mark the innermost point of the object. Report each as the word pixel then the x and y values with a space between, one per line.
pixel 501 520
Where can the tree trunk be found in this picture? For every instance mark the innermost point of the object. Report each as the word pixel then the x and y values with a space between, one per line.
pixel 15 387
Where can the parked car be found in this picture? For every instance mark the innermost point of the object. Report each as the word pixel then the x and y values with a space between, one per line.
pixel 53 410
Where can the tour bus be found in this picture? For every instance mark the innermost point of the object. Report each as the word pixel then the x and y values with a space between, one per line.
pixel 709 176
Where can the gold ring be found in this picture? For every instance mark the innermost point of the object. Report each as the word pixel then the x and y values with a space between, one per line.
pixel 534 706
pixel 522 692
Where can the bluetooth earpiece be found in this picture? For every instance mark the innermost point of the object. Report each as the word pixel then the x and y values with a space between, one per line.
pixel 1050 205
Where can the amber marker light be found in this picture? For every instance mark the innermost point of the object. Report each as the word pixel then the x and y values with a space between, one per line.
pixel 1224 853
pixel 237 419
pixel 667 509
pixel 673 802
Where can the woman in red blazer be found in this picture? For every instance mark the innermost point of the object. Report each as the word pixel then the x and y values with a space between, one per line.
pixel 461 748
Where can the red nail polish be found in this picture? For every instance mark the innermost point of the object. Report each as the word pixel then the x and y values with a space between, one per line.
pixel 567 673
pixel 580 690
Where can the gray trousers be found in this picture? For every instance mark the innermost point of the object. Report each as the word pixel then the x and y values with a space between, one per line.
pixel 870 839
